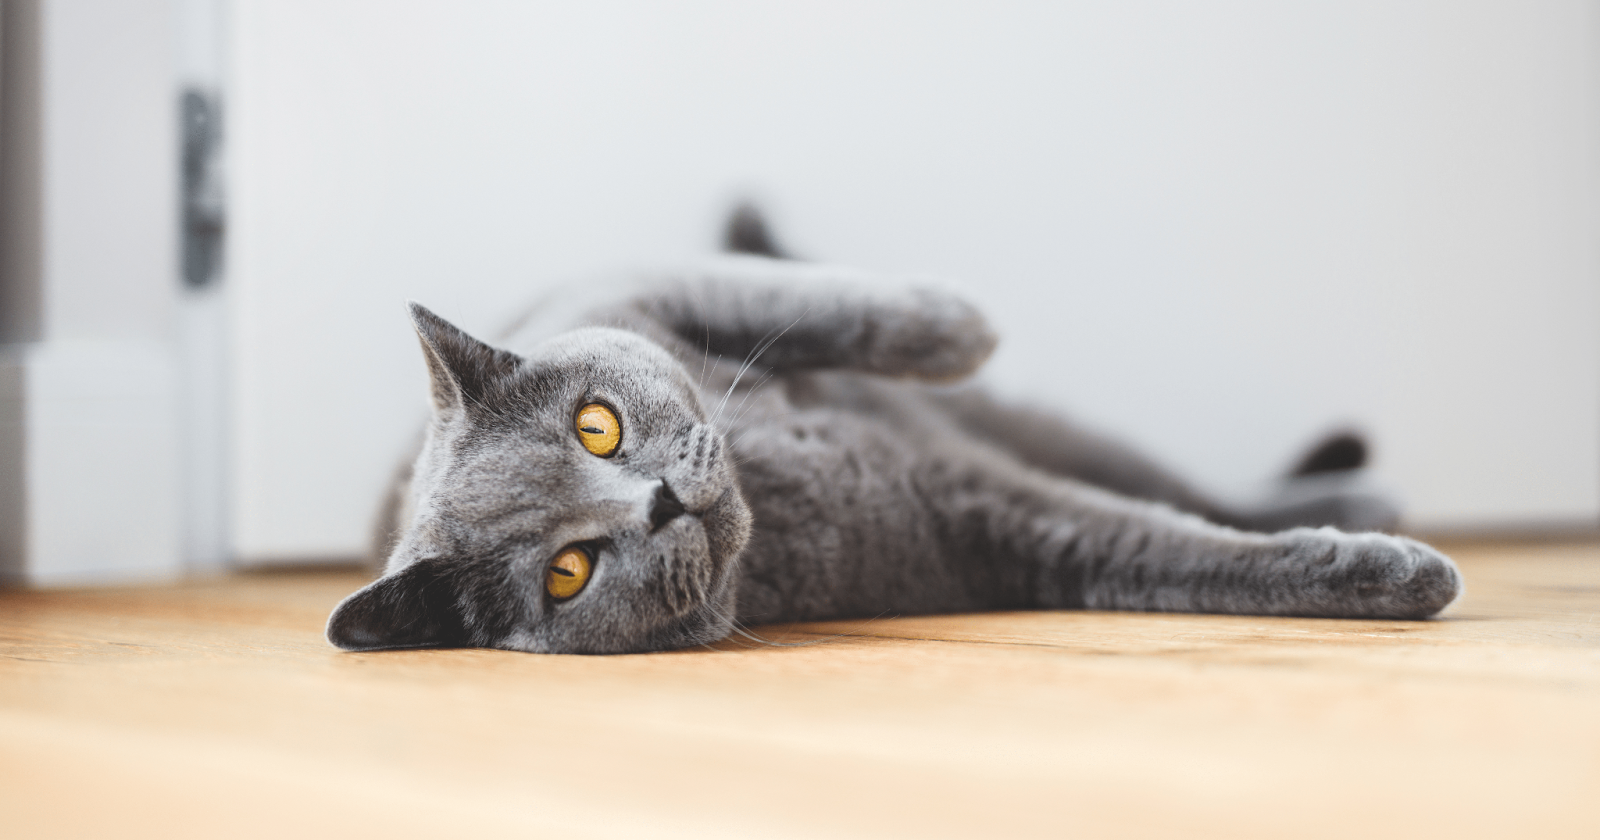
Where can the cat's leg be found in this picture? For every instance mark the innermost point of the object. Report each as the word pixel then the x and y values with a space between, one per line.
pixel 1312 496
pixel 1054 543
pixel 1342 499
pixel 791 316
pixel 1046 441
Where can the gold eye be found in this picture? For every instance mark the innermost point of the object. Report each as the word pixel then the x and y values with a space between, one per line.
pixel 568 573
pixel 599 430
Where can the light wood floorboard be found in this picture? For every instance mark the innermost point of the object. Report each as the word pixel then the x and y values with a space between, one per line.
pixel 215 709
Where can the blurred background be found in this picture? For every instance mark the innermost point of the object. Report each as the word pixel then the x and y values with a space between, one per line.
pixel 1217 230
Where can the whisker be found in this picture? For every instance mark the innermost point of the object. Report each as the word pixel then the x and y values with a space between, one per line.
pixel 705 323
pixel 761 348
pixel 737 411
pixel 749 358
pixel 734 443
pixel 742 631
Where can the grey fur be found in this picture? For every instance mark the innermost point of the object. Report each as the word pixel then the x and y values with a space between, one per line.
pixel 827 468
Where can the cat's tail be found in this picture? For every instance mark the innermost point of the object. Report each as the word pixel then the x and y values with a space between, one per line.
pixel 747 233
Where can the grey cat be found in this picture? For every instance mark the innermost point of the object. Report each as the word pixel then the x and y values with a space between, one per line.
pixel 762 440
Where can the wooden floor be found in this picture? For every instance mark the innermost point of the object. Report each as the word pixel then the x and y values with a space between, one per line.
pixel 215 709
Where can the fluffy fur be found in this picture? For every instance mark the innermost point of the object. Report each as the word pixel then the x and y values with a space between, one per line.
pixel 797 446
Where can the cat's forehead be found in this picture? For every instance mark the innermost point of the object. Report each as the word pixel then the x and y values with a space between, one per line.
pixel 613 360
pixel 597 345
pixel 534 403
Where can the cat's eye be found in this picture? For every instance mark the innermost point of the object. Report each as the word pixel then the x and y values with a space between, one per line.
pixel 568 573
pixel 599 429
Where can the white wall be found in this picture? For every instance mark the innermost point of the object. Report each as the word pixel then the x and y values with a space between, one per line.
pixel 1216 228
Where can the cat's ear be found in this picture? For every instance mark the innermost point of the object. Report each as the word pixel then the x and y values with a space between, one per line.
pixel 460 367
pixel 418 607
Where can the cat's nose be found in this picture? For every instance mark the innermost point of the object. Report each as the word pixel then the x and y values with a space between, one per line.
pixel 665 507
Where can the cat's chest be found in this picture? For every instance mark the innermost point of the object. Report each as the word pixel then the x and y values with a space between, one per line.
pixel 823 465
pixel 839 447
pixel 828 489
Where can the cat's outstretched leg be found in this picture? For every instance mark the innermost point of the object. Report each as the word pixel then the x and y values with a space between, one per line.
pixel 1046 441
pixel 1302 572
pixel 1055 543
pixel 1320 491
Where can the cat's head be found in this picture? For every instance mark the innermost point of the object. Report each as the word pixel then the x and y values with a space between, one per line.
pixel 574 500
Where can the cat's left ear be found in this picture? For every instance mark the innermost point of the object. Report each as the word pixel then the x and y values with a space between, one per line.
pixel 461 369
pixel 417 607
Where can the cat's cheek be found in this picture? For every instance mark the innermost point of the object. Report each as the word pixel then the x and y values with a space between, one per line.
pixel 701 627
pixel 524 641
pixel 710 628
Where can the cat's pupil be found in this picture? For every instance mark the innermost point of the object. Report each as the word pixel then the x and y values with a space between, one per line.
pixel 592 430
pixel 560 571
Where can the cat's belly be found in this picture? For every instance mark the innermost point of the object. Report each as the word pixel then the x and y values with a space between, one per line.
pixel 840 527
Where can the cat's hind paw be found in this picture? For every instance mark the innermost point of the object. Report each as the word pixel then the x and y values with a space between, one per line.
pixel 1346 500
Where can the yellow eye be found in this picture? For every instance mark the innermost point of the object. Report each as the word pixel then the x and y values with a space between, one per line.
pixel 599 430
pixel 568 573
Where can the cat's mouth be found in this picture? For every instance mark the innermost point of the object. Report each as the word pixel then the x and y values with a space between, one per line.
pixel 727 525
pixel 713 504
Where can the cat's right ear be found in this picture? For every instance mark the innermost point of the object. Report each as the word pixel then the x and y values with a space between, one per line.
pixel 460 367
pixel 416 607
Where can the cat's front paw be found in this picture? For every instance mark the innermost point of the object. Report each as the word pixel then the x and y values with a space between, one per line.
pixel 1373 575
pixel 930 335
